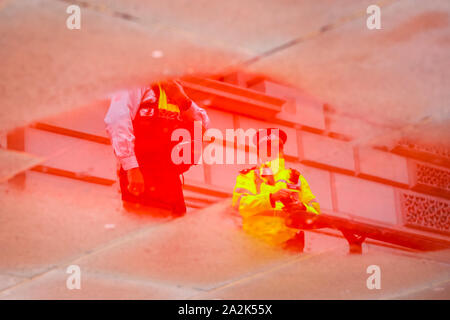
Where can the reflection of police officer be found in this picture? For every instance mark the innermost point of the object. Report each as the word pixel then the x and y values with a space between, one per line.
pixel 140 123
pixel 261 192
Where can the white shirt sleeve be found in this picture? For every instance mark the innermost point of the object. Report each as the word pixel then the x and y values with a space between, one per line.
pixel 119 125
pixel 203 115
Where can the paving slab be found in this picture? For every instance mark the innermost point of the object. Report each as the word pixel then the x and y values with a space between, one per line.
pixel 93 286
pixel 251 26
pixel 438 291
pixel 122 44
pixel 43 225
pixel 48 68
pixel 335 275
pixel 397 74
pixel 8 281
pixel 202 250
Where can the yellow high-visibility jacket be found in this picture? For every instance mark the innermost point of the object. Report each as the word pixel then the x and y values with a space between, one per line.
pixel 251 197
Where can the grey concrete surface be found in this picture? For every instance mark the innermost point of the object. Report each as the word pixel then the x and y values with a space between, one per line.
pixel 94 286
pixel 337 275
pixel 43 225
pixel 398 75
pixel 48 69
pixel 203 255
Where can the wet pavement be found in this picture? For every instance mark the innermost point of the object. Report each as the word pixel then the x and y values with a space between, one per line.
pixel 398 75
pixel 204 254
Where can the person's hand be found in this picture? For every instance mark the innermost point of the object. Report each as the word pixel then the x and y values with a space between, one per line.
pixel 281 195
pixel 135 181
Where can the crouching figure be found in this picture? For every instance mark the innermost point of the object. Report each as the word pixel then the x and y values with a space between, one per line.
pixel 265 194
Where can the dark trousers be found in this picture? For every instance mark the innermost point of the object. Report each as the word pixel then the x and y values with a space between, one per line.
pixel 163 189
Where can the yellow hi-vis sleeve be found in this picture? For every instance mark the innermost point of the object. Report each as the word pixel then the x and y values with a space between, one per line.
pixel 246 199
pixel 308 198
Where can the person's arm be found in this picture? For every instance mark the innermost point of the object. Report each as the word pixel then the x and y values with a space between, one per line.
pixel 189 109
pixel 247 201
pixel 119 127
pixel 199 114
pixel 308 198
pixel 250 204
